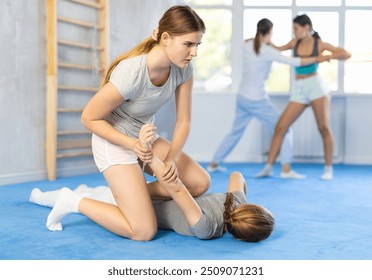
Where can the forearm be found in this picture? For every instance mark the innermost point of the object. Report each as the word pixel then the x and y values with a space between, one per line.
pixel 181 132
pixel 340 54
pixel 179 193
pixel 104 129
pixel 309 60
pixel 188 206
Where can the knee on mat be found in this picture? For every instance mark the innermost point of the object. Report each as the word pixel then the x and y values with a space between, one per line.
pixel 144 234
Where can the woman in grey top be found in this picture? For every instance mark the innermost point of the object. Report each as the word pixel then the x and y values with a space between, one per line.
pixel 208 216
pixel 137 84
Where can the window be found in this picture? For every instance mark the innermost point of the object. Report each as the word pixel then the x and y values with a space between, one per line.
pixel 358 69
pixel 228 22
pixel 213 64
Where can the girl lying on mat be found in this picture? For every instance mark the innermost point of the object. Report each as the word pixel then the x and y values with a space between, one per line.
pixel 207 216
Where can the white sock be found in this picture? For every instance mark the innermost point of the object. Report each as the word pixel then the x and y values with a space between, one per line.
pixel 48 198
pixel 328 168
pixel 102 193
pixel 82 189
pixel 67 202
pixel 328 173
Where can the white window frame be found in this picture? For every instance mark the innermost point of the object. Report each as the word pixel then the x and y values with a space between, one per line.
pixel 237 11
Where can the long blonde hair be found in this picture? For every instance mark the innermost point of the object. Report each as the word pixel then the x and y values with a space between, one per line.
pixel 177 20
pixel 247 222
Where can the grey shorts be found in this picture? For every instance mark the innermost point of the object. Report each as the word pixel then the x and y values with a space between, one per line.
pixel 306 90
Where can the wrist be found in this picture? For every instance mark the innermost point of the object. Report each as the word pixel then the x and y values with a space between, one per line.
pixel 133 144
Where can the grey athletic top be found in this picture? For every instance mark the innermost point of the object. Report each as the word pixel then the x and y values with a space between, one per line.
pixel 211 223
pixel 142 98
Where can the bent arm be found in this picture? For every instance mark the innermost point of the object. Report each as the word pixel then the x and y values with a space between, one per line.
pixel 100 106
pixel 336 52
pixel 285 47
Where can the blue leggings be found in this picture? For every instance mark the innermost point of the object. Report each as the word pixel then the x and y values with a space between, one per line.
pixel 246 110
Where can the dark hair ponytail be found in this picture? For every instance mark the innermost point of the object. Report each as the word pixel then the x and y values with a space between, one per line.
pixel 305 20
pixel 263 27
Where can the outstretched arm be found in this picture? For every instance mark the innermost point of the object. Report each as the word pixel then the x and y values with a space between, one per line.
pixel 336 52
pixel 176 189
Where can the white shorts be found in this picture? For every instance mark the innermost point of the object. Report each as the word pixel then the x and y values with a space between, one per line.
pixel 308 89
pixel 107 154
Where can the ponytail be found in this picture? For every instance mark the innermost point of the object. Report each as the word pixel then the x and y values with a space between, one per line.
pixel 264 26
pixel 247 222
pixel 143 48
pixel 256 44
pixel 227 214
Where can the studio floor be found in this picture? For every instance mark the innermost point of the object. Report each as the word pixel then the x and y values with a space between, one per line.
pixel 315 220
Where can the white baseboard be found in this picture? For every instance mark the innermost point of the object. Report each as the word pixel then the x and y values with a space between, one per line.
pixel 358 160
pixel 231 158
pixel 16 178
pixel 23 177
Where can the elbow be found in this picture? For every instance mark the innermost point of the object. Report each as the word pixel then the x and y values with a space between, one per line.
pixel 85 120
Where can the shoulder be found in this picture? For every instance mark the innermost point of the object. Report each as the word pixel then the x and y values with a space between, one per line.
pixel 182 74
pixel 269 51
pixel 128 75
pixel 132 64
pixel 293 42
pixel 248 43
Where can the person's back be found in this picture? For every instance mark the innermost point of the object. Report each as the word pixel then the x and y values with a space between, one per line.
pixel 255 71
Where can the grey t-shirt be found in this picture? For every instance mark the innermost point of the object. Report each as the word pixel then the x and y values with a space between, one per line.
pixel 142 98
pixel 211 223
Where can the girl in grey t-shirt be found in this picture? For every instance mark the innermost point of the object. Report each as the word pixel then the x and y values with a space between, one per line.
pixel 138 83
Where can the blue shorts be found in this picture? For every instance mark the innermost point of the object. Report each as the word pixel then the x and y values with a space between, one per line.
pixel 306 90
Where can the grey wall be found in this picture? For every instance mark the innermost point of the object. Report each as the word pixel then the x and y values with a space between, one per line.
pixel 22 89
pixel 23 83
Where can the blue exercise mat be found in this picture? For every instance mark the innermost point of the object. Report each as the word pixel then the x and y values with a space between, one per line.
pixel 315 220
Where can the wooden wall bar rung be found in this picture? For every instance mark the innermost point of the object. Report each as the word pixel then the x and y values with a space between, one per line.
pixel 73 132
pixel 77 88
pixel 80 22
pixel 88 3
pixel 74 144
pixel 77 66
pixel 70 110
pixel 75 154
pixel 79 45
